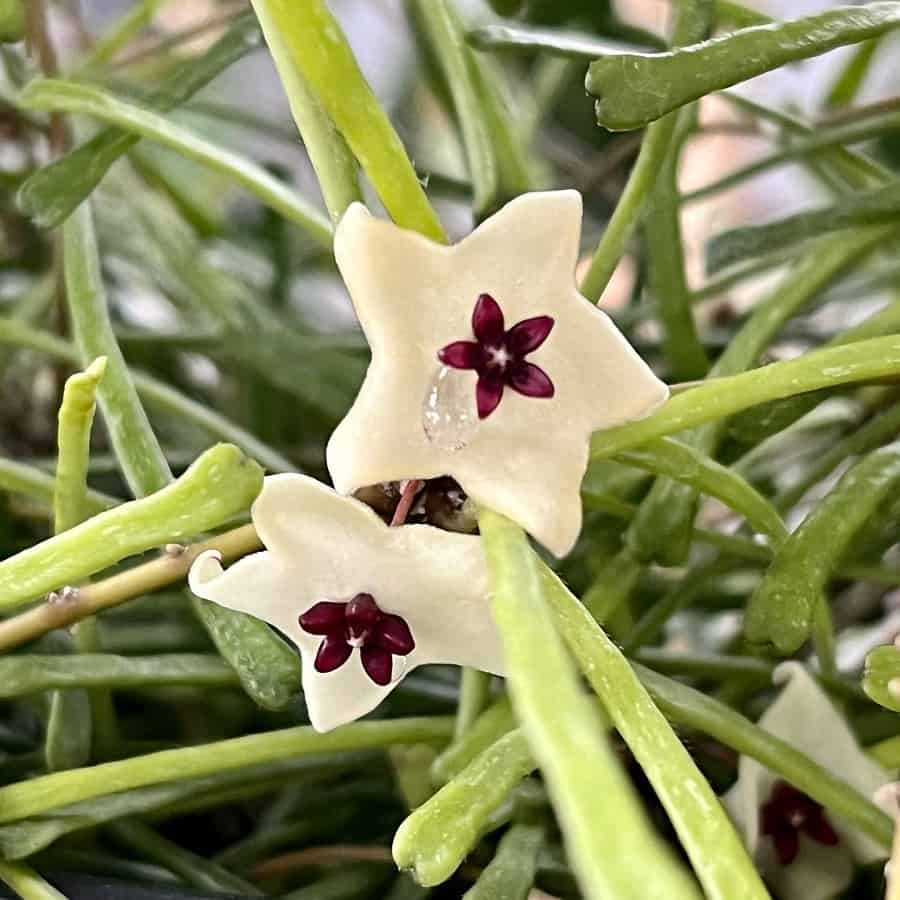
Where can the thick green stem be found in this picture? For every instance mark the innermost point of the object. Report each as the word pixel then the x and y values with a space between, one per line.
pixel 718 398
pixel 489 727
pixel 27 884
pixel 311 37
pixel 691 25
pixel 23 675
pixel 599 813
pixel 434 840
pixel 674 459
pixel 219 485
pixel 666 278
pixel 76 419
pixel 707 835
pixel 21 801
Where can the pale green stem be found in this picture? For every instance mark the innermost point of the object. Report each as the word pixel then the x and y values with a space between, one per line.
pixel 220 484
pixel 442 30
pixel 27 799
pixel 489 727
pixel 63 96
pixel 434 839
pixel 19 478
pixel 27 884
pixel 135 445
pixel 663 527
pixel 76 419
pixel 718 856
pixel 782 608
pixel 691 24
pixel 334 165
pixel 311 37
pixel 815 144
pixel 510 874
pixel 599 813
pixel 474 694
pixel 624 219
pixel 677 460
pixel 718 398
pixel 32 673
pixel 50 194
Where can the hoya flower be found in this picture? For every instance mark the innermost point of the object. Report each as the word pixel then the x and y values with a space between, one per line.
pixel 487 364
pixel 802 849
pixel 364 603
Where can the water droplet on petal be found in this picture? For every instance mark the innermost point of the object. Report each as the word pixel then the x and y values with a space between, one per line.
pixel 449 415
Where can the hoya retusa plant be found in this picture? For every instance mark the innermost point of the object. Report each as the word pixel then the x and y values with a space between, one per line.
pixel 568 569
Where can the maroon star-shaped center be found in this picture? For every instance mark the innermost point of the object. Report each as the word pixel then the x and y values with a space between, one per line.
pixel 498 355
pixel 790 813
pixel 358 623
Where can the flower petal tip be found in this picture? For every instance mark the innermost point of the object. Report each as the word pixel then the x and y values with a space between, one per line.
pixel 206 567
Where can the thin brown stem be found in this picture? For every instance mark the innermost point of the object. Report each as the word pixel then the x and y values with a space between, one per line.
pixel 40 45
pixel 72 605
pixel 153 48
pixel 335 853
pixel 318 856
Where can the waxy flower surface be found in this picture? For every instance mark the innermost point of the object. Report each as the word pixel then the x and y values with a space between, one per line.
pixel 804 851
pixel 487 364
pixel 364 603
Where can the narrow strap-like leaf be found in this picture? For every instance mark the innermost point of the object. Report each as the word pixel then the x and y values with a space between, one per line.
pixel 633 90
pixel 67 96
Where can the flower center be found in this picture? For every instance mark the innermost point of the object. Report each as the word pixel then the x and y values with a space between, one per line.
pixel 498 357
pixel 441 502
pixel 499 354
pixel 358 624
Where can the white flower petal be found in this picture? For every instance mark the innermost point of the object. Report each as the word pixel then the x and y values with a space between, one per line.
pixel 321 546
pixel 413 297
pixel 804 717
pixel 818 873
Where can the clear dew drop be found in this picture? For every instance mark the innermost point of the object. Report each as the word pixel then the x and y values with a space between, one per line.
pixel 449 415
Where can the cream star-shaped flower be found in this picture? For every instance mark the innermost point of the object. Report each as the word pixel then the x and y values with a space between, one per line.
pixel 487 364
pixel 364 603
pixel 804 852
